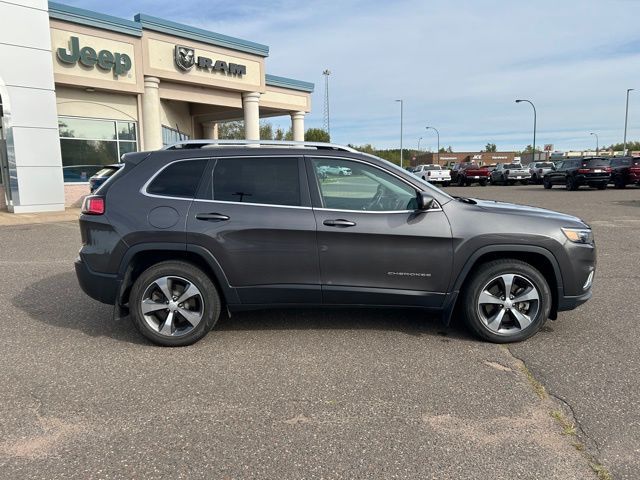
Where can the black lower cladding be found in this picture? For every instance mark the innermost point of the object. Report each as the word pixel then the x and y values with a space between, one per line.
pixel 99 286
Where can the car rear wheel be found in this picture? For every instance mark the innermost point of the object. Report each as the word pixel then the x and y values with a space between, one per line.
pixel 174 304
pixel 446 184
pixel 618 182
pixel 483 183
pixel 506 301
pixel 546 183
pixel 460 181
pixel 571 184
pixel 601 186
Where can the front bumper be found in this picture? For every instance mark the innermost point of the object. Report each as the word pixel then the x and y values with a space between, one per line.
pixel 569 302
pixel 99 286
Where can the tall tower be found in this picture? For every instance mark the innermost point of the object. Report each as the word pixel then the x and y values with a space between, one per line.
pixel 326 124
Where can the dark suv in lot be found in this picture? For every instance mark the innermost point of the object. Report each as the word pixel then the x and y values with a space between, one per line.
pixel 576 172
pixel 625 171
pixel 176 236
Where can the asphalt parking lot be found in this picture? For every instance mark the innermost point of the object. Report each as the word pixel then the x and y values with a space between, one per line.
pixel 321 394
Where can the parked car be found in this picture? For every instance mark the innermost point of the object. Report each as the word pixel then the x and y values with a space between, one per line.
pixel 537 170
pixel 102 175
pixel 576 172
pixel 332 170
pixel 466 173
pixel 509 173
pixel 625 171
pixel 433 173
pixel 177 236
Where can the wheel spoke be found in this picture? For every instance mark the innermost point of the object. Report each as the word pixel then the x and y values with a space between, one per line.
pixel 529 294
pixel 163 285
pixel 190 291
pixel 489 298
pixel 190 316
pixel 523 320
pixel 149 306
pixel 507 280
pixel 495 321
pixel 167 326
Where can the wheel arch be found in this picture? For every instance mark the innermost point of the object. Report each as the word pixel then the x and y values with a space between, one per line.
pixel 538 257
pixel 140 257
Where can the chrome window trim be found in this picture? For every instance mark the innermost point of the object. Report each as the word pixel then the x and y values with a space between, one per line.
pixel 435 209
pixel 251 204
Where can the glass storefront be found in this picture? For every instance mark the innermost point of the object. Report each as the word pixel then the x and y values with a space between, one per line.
pixel 88 144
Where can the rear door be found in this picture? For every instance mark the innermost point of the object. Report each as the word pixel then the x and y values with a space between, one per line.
pixel 374 248
pixel 558 176
pixel 253 213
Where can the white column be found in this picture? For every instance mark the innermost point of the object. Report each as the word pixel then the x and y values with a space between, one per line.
pixel 210 130
pixel 151 122
pixel 250 105
pixel 297 126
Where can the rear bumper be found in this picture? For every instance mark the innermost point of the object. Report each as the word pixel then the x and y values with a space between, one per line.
pixel 584 180
pixel 99 286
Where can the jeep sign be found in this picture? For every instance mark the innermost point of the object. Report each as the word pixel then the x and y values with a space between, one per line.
pixel 119 63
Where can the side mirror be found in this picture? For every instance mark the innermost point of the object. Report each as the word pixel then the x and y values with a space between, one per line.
pixel 425 201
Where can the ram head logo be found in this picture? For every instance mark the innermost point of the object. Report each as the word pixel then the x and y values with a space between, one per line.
pixel 185 57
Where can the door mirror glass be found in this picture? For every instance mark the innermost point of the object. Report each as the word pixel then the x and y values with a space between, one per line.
pixel 424 201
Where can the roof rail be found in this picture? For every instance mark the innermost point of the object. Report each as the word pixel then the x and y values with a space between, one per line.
pixel 210 143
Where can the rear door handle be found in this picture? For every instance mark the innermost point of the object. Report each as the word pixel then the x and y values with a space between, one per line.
pixel 340 223
pixel 212 217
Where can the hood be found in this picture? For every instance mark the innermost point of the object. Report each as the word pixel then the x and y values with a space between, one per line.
pixel 526 210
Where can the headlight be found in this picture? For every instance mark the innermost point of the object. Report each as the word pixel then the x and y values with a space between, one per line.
pixel 578 235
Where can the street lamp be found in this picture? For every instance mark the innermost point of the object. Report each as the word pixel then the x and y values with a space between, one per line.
pixel 597 142
pixel 533 150
pixel 419 143
pixel 626 117
pixel 401 119
pixel 438 134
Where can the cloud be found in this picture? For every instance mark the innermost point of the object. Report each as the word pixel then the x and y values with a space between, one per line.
pixel 457 64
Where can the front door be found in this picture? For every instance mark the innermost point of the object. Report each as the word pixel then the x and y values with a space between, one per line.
pixel 253 214
pixel 374 247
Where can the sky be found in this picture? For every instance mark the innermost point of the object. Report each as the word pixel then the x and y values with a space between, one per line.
pixel 458 65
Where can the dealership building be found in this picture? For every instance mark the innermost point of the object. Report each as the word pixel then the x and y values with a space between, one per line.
pixel 451 158
pixel 79 88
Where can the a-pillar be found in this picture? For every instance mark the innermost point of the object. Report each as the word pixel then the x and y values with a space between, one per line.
pixel 297 126
pixel 151 123
pixel 210 130
pixel 250 105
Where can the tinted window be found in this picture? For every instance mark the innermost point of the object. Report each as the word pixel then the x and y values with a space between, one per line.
pixel 433 167
pixel 179 179
pixel 349 185
pixel 544 165
pixel 266 180
pixel 595 162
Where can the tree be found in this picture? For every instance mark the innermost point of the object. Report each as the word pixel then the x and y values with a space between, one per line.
pixel 231 130
pixel 529 149
pixel 316 135
pixel 631 146
pixel 446 150
pixel 490 147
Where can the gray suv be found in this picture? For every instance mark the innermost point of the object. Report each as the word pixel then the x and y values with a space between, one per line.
pixel 177 236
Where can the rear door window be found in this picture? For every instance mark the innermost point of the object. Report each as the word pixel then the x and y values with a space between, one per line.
pixel 179 179
pixel 261 180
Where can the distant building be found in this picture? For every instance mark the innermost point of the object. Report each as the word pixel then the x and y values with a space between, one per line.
pixel 448 159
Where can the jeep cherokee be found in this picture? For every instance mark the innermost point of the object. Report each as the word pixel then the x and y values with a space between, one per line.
pixel 178 235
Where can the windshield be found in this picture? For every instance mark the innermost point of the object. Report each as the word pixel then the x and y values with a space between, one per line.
pixel 426 186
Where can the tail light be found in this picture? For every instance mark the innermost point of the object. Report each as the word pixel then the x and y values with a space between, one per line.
pixel 607 169
pixel 93 205
pixel 584 170
pixel 429 173
pixel 635 169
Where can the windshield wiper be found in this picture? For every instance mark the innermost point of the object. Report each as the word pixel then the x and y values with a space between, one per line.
pixel 466 200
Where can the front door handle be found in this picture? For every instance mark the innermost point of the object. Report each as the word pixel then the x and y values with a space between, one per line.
pixel 212 217
pixel 340 223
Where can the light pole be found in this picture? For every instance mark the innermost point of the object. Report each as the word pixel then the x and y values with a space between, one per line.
pixel 626 117
pixel 597 142
pixel 326 116
pixel 401 120
pixel 438 134
pixel 533 150
pixel 419 143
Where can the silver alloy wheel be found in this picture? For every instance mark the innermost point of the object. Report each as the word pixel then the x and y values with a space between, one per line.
pixel 172 306
pixel 508 304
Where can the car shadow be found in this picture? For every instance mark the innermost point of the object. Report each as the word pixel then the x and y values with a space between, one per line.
pixel 58 301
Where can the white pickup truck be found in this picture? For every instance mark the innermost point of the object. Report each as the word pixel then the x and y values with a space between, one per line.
pixel 433 174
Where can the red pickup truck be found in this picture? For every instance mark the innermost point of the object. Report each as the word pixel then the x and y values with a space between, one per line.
pixel 466 173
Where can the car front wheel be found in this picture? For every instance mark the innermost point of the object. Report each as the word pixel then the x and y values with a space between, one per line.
pixel 174 304
pixel 546 183
pixel 506 301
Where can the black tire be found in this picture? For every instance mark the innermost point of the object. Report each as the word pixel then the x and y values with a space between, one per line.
pixel 211 304
pixel 619 183
pixel 602 186
pixel 423 178
pixel 483 183
pixel 535 179
pixel 509 182
pixel 467 183
pixel 460 181
pixel 547 184
pixel 482 276
pixel 445 184
pixel 571 184
pixel 524 182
